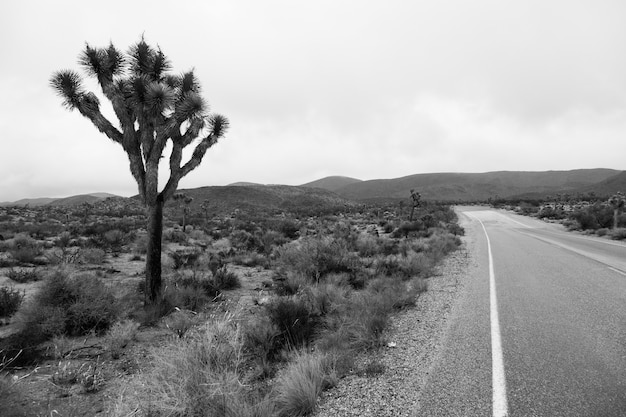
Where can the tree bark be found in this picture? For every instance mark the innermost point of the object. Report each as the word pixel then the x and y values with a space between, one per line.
pixel 615 217
pixel 154 215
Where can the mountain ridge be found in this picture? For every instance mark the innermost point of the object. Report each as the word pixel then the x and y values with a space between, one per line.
pixel 446 186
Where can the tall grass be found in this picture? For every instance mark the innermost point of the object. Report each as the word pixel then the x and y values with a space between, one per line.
pixel 200 374
pixel 301 383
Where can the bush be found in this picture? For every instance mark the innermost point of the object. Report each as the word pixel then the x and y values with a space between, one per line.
pixel 184 258
pixel 198 283
pixel 63 305
pixel 226 280
pixel 198 375
pixel 23 275
pixel 175 236
pixel 94 256
pixel 618 234
pixel 120 335
pixel 407 228
pixel 10 301
pixel 25 250
pixel 187 297
pixel 293 319
pixel 317 257
pixel 302 382
pixel 260 336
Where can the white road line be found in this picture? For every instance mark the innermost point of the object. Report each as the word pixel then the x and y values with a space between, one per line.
pixel 617 270
pixel 498 377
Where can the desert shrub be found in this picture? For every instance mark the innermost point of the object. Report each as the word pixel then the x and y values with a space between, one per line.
pixel 288 228
pixel 23 275
pixel 260 343
pixel 269 240
pixel 188 297
pixel 302 382
pixel 289 282
pixel 407 228
pixel 112 240
pixel 593 217
pixel 367 245
pixel 140 246
pixel 317 257
pixel 293 319
pixel 618 234
pixel 63 240
pixel 94 256
pixel 395 293
pixel 244 240
pixel 10 301
pixel 225 280
pixel 455 229
pixel 72 306
pixel 120 335
pixel 25 250
pixel 184 258
pixel 250 259
pixel 602 232
pixel 198 375
pixel 413 264
pixel 441 244
pixel 180 322
pixel 64 255
pixel 198 282
pixel 175 236
pixel 88 376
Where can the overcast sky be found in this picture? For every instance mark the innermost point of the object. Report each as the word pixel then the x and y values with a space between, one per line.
pixel 366 89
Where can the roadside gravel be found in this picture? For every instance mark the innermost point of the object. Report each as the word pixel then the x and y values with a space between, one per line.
pixel 416 334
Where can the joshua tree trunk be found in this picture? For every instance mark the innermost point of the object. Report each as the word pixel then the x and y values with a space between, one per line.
pixel 615 216
pixel 154 216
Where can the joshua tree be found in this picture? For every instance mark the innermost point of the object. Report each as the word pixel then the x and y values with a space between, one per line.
pixel 415 201
pixel 183 200
pixel 153 107
pixel 617 201
pixel 205 208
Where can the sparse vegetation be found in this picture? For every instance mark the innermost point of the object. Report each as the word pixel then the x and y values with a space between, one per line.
pixel 10 301
pixel 267 309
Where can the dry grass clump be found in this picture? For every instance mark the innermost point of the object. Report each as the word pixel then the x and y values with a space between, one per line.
pixel 199 374
pixel 63 305
pixel 10 301
pixel 120 335
pixel 301 383
pixel 316 257
pixel 23 275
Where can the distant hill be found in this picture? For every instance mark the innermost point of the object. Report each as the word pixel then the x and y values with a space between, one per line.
pixel 276 198
pixel 66 201
pixel 607 187
pixel 29 202
pixel 477 186
pixel 239 184
pixel 333 183
pixel 75 200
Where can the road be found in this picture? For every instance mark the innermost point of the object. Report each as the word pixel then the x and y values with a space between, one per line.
pixel 540 333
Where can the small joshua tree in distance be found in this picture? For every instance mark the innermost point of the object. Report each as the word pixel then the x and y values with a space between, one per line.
pixel 153 107
pixel 183 200
pixel 617 202
pixel 415 202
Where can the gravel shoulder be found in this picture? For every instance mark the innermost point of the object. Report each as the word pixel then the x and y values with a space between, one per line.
pixel 416 334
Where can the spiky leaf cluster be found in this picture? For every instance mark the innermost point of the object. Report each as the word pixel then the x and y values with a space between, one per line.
pixel 152 104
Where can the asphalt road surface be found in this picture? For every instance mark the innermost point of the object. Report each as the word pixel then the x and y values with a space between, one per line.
pixel 542 332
